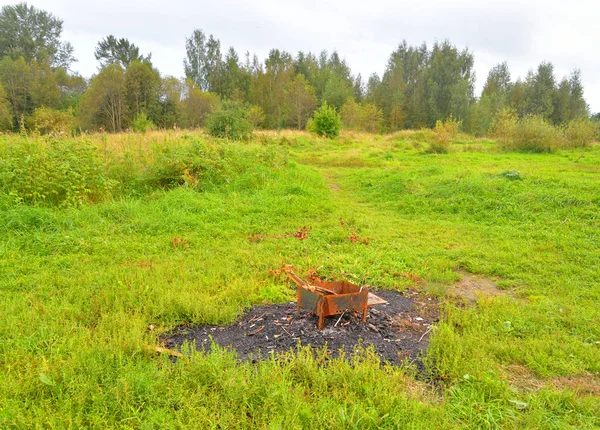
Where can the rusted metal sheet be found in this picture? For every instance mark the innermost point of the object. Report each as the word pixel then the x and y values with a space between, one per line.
pixel 330 298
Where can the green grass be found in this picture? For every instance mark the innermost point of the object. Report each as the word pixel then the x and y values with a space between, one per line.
pixel 81 283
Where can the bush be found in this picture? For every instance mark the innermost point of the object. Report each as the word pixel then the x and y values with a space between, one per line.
pixel 504 127
pixel 50 121
pixel 581 133
pixel 534 134
pixel 445 132
pixel 325 122
pixel 201 164
pixel 230 122
pixel 361 117
pixel 62 172
pixel 529 134
pixel 255 116
pixel 141 123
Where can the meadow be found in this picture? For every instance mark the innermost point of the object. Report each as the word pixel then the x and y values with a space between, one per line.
pixel 108 241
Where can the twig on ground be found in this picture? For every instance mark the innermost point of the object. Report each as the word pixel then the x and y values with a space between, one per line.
pixel 424 334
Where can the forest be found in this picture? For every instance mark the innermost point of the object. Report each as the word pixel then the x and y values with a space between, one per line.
pixel 420 85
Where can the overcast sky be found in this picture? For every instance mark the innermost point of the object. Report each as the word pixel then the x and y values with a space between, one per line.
pixel 524 33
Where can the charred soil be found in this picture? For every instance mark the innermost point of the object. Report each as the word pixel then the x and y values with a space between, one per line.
pixel 398 330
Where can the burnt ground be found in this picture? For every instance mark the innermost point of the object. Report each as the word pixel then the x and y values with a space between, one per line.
pixel 398 330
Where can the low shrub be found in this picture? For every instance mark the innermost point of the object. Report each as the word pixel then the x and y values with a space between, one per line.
pixel 528 134
pixel 580 133
pixel 61 172
pixel 45 120
pixel 325 122
pixel 141 123
pixel 445 132
pixel 201 164
pixel 230 122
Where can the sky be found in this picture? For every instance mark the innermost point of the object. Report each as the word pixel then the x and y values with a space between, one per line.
pixel 523 33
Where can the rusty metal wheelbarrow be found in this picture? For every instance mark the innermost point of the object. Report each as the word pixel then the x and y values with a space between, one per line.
pixel 329 298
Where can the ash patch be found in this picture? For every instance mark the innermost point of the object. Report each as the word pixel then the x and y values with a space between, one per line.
pixel 398 330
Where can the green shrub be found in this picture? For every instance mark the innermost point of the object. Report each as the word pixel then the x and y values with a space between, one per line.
pixel 325 122
pixel 361 117
pixel 580 133
pixel 61 172
pixel 201 164
pixel 230 122
pixel 504 126
pixel 45 120
pixel 141 123
pixel 529 134
pixel 534 134
pixel 445 132
pixel 256 116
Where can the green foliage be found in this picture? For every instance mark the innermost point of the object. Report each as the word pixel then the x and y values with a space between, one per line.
pixel 198 106
pixel 103 106
pixel 581 132
pixel 33 34
pixel 534 134
pixel 361 117
pixel 17 79
pixel 255 116
pixel 45 120
pixel 204 165
pixel 6 119
pixel 445 132
pixel 141 123
pixel 54 172
pixel 326 122
pixel 230 122
pixel 112 50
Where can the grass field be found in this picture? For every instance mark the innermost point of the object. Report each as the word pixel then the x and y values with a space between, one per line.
pixel 89 260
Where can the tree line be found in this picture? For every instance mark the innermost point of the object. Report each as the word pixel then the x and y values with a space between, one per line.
pixel 420 85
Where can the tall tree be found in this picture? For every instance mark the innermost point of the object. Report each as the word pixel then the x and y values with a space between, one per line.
pixel 197 105
pixel 450 82
pixel 33 34
pixel 142 86
pixel 6 119
pixel 168 110
pixel 104 104
pixel 300 101
pixel 540 90
pixel 18 80
pixel 268 88
pixel 71 87
pixel 214 65
pixel 195 61
pixel 45 91
pixel 561 103
pixel 121 51
pixel 578 106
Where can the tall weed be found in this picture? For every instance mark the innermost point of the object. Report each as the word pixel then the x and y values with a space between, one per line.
pixel 55 172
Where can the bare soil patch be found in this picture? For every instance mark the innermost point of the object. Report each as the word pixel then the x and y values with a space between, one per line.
pixel 471 286
pixel 398 330
pixel 524 380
